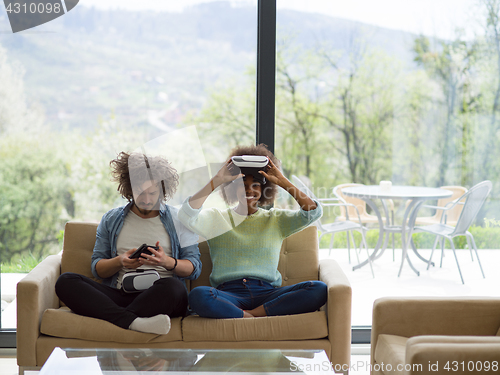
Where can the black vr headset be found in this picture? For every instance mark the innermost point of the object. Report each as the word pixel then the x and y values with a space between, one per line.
pixel 249 165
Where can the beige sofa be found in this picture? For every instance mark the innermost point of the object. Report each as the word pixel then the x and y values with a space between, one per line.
pixel 43 323
pixel 435 335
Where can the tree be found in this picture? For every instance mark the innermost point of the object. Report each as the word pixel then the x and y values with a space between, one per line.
pixel 34 196
pixel 297 113
pixel 451 64
pixel 360 108
pixel 229 114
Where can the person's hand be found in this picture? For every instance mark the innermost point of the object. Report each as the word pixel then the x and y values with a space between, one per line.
pixel 274 175
pixel 157 258
pixel 224 175
pixel 127 262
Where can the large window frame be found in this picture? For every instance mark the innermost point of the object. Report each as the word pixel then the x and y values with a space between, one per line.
pixel 266 94
pixel 265 120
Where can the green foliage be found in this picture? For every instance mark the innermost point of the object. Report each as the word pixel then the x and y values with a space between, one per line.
pixel 452 65
pixel 34 194
pixel 489 223
pixel 47 177
pixel 21 264
pixel 485 238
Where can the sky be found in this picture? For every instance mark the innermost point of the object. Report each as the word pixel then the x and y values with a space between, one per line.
pixel 430 17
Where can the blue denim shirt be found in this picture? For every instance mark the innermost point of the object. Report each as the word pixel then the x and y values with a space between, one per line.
pixel 184 242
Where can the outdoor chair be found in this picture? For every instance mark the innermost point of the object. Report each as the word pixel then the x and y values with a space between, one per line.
pixel 472 202
pixel 347 225
pixel 452 215
pixel 360 204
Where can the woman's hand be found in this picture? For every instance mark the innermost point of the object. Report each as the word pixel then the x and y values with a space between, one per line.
pixel 274 175
pixel 224 175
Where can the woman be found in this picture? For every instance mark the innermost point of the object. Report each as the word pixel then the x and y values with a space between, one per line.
pixel 245 278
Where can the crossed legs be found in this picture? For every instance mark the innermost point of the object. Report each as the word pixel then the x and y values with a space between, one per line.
pixel 248 297
pixel 86 297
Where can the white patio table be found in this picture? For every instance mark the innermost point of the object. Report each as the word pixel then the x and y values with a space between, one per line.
pixel 417 195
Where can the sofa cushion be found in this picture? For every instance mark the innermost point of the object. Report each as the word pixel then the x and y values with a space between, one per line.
pixel 271 328
pixel 79 240
pixel 299 257
pixel 391 350
pixel 63 322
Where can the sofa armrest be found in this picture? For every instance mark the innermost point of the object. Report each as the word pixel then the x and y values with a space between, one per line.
pixel 35 294
pixel 338 309
pixel 452 354
pixel 418 316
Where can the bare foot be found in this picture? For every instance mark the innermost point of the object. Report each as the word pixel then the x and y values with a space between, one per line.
pixel 246 314
pixel 257 312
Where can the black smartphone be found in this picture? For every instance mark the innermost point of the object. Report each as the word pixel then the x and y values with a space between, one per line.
pixel 143 249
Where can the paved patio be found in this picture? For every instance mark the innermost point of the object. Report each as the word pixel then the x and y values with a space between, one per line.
pixel 437 282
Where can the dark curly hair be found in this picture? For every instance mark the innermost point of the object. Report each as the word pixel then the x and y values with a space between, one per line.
pixel 269 190
pixel 136 169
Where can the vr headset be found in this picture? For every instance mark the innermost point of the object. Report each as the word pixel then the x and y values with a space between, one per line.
pixel 139 280
pixel 250 165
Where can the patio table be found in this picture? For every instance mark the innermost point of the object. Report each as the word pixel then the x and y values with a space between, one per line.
pixel 416 195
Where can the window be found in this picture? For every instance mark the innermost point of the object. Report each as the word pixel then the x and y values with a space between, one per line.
pixel 109 77
pixel 387 90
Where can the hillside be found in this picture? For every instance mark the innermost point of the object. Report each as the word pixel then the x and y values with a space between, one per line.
pixel 138 65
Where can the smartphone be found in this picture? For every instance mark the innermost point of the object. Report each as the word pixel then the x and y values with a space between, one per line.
pixel 143 249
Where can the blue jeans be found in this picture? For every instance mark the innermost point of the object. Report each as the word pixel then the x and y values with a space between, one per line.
pixel 229 299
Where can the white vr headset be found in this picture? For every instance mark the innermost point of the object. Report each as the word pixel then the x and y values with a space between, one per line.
pixel 250 165
pixel 137 281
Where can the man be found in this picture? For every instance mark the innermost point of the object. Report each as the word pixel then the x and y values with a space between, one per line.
pixel 146 182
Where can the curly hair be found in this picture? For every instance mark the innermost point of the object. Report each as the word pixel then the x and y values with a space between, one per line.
pixel 269 190
pixel 134 169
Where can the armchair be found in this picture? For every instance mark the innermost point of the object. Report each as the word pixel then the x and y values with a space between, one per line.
pixel 411 334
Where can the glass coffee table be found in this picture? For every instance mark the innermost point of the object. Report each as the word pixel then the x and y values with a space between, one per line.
pixel 185 361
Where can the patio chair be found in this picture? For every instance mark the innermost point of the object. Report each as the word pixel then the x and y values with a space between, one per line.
pixel 360 204
pixel 452 215
pixel 472 202
pixel 336 227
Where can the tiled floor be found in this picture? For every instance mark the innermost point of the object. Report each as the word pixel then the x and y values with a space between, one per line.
pixel 8 362
pixel 436 282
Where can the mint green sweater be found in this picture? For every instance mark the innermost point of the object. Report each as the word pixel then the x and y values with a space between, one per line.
pixel 246 246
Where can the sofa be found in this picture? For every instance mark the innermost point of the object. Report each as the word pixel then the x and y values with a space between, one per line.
pixel 43 323
pixel 422 335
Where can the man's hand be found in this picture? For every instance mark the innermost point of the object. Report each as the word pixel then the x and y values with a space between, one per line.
pixel 184 267
pixel 108 267
pixel 158 258
pixel 127 262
